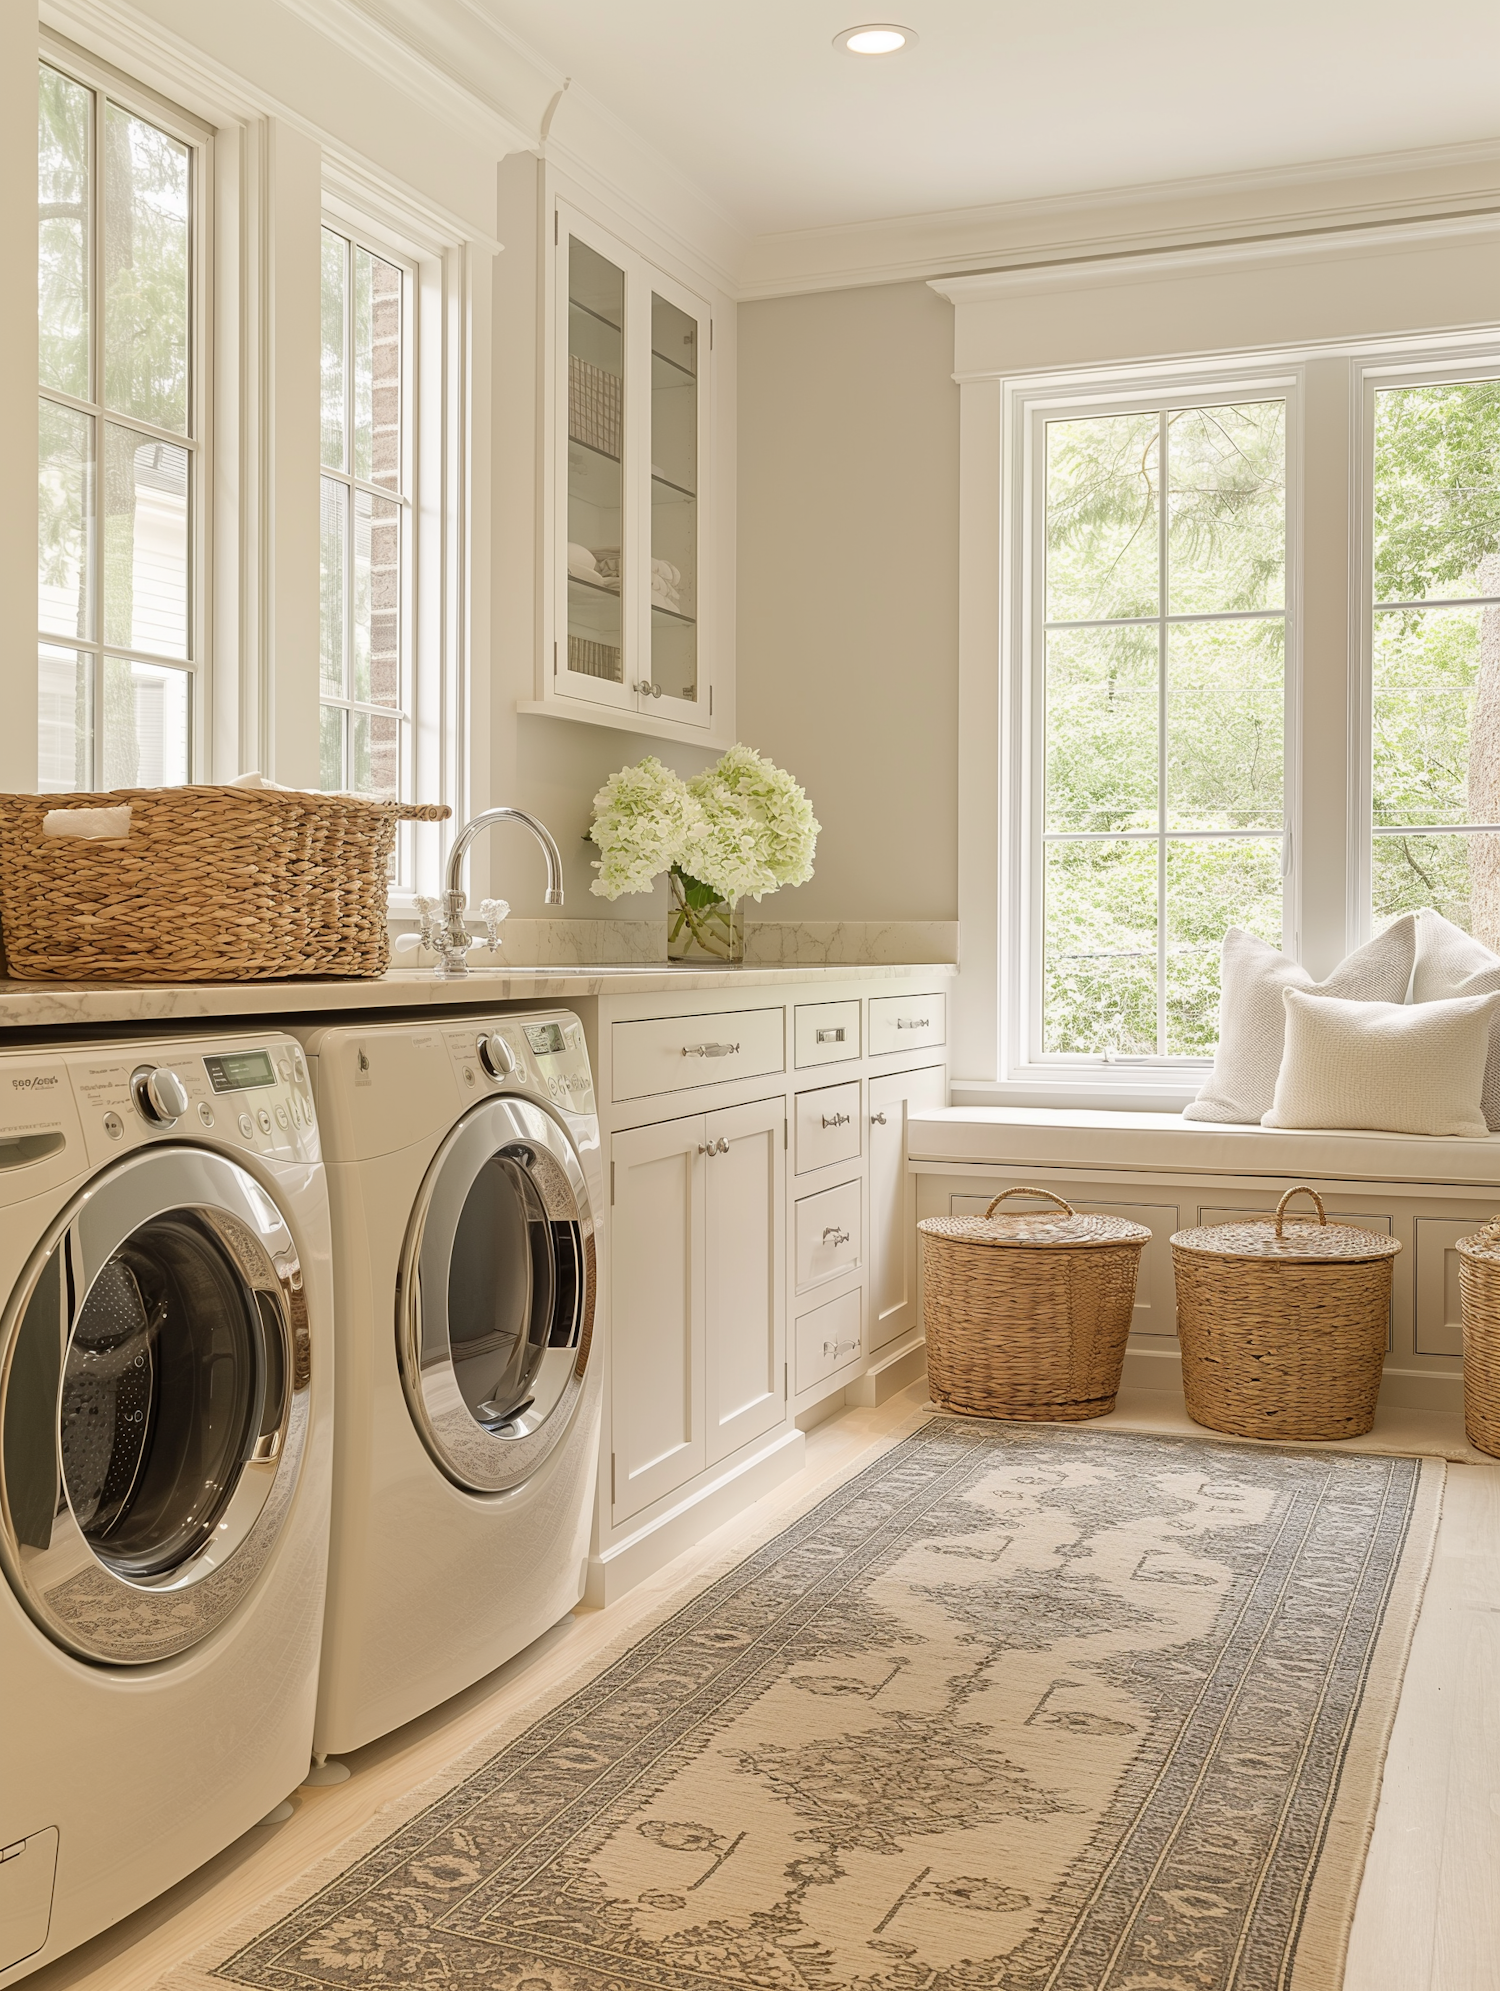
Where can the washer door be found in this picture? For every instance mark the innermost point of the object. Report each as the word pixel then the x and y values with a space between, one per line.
pixel 495 1310
pixel 154 1371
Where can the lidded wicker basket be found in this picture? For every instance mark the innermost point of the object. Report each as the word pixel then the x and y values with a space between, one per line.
pixel 208 884
pixel 1283 1325
pixel 1027 1314
pixel 1479 1284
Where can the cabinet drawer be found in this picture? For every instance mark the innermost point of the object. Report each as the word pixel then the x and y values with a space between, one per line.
pixel 828 1126
pixel 673 1053
pixel 827 1032
pixel 907 1023
pixel 829 1339
pixel 828 1238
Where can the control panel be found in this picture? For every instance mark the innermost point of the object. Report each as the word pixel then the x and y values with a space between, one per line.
pixel 545 1055
pixel 255 1096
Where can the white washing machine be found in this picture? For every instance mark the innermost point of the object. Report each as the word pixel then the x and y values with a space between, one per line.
pixel 165 1462
pixel 465 1183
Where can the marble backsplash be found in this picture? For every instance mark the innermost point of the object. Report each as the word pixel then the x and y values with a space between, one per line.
pixel 583 943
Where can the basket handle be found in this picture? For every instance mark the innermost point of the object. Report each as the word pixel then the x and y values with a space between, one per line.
pixel 421 812
pixel 1067 1208
pixel 1301 1190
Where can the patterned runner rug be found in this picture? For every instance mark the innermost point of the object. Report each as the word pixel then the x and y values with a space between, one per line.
pixel 1022 1708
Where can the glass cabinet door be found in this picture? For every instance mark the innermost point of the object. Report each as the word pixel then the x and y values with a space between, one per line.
pixel 597 587
pixel 672 654
pixel 629 583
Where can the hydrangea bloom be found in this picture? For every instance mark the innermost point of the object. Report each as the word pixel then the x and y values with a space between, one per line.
pixel 642 816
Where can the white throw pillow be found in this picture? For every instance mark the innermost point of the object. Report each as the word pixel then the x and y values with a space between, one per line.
pixel 1252 1022
pixel 1393 1067
pixel 1450 963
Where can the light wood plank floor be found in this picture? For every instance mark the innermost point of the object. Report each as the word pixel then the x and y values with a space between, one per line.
pixel 1429 1912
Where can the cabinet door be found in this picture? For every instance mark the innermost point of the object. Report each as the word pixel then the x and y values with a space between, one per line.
pixel 893 1199
pixel 745 1273
pixel 672 592
pixel 657 1312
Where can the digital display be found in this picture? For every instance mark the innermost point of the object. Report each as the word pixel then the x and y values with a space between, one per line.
pixel 545 1038
pixel 238 1071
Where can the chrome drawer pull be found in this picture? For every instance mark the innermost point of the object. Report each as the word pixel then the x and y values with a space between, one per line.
pixel 833 1235
pixel 840 1347
pixel 912 1023
pixel 829 1036
pixel 838 1120
pixel 877 1119
pixel 709 1050
pixel 719 1147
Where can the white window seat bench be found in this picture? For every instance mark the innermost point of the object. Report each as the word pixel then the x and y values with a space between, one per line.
pixel 1170 1174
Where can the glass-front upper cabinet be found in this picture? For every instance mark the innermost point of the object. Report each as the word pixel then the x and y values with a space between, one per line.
pixel 633 348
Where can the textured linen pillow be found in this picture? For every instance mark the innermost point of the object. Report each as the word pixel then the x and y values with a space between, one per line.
pixel 1450 963
pixel 1252 1022
pixel 1394 1067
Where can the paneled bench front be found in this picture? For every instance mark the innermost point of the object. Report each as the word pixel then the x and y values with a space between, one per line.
pixel 1169 1174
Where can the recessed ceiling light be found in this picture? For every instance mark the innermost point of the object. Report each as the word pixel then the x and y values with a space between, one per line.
pixel 874 38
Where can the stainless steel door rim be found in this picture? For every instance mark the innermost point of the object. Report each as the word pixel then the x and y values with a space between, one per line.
pixel 496 1294
pixel 155 1364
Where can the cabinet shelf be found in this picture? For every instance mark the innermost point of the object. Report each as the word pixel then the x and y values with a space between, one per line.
pixel 672 615
pixel 665 492
pixel 670 372
pixel 599 317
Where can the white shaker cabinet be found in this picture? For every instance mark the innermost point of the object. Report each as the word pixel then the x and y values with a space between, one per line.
pixel 893 1212
pixel 697 1295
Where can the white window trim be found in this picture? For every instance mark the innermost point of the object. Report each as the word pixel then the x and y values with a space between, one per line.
pixel 1329 387
pixel 105 80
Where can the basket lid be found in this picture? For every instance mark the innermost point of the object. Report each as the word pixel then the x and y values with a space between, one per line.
pixel 1483 1244
pixel 1062 1229
pixel 1305 1239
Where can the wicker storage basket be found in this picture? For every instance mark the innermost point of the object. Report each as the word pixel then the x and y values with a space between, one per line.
pixel 208 885
pixel 1479 1283
pixel 1027 1313
pixel 1283 1325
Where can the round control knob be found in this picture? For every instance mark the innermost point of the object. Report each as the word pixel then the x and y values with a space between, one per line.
pixel 160 1094
pixel 497 1057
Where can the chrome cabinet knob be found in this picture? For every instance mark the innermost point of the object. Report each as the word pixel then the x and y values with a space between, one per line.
pixel 834 1236
pixel 877 1119
pixel 160 1095
pixel 496 1055
pixel 838 1120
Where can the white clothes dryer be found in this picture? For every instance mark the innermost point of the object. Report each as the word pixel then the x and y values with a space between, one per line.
pixel 465 1184
pixel 166 1399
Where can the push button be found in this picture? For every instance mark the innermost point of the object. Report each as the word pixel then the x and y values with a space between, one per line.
pixel 281 1118
pixel 114 1126
pixel 296 1111
pixel 247 1127
pixel 205 1113
pixel 264 1118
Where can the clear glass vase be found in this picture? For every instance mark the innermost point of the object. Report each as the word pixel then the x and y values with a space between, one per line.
pixel 701 926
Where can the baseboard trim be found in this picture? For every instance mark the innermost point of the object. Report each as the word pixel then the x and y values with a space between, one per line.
pixel 889 1373
pixel 615 1570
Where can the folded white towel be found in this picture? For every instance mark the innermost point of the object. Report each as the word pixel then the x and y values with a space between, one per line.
pixel 255 779
pixel 110 824
pixel 581 562
pixel 668 573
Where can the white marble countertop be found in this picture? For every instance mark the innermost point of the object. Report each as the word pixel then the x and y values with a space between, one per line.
pixel 29 1005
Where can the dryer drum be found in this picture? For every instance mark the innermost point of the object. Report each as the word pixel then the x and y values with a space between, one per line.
pixel 153 1407
pixel 495 1306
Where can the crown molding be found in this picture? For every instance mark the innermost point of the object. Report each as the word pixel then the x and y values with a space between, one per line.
pixel 1274 201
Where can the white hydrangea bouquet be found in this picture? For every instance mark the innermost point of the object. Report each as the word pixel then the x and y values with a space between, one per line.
pixel 738 830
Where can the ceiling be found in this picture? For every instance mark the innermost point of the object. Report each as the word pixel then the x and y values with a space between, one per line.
pixel 1001 101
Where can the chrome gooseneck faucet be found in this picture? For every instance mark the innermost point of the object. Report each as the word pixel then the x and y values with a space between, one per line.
pixel 454 933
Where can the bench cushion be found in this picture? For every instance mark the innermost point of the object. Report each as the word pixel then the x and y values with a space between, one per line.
pixel 1084 1140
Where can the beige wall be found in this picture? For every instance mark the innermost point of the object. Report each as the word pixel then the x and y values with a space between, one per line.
pixel 848 588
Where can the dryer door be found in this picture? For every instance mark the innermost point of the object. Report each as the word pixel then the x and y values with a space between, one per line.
pixel 495 1311
pixel 154 1371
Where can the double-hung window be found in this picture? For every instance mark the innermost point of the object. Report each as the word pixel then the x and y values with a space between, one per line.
pixel 365 645
pixel 1435 651
pixel 1158 652
pixel 121 473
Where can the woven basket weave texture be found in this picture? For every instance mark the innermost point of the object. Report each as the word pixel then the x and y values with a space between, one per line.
pixel 1283 1324
pixel 1479 1285
pixel 1027 1314
pixel 210 885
